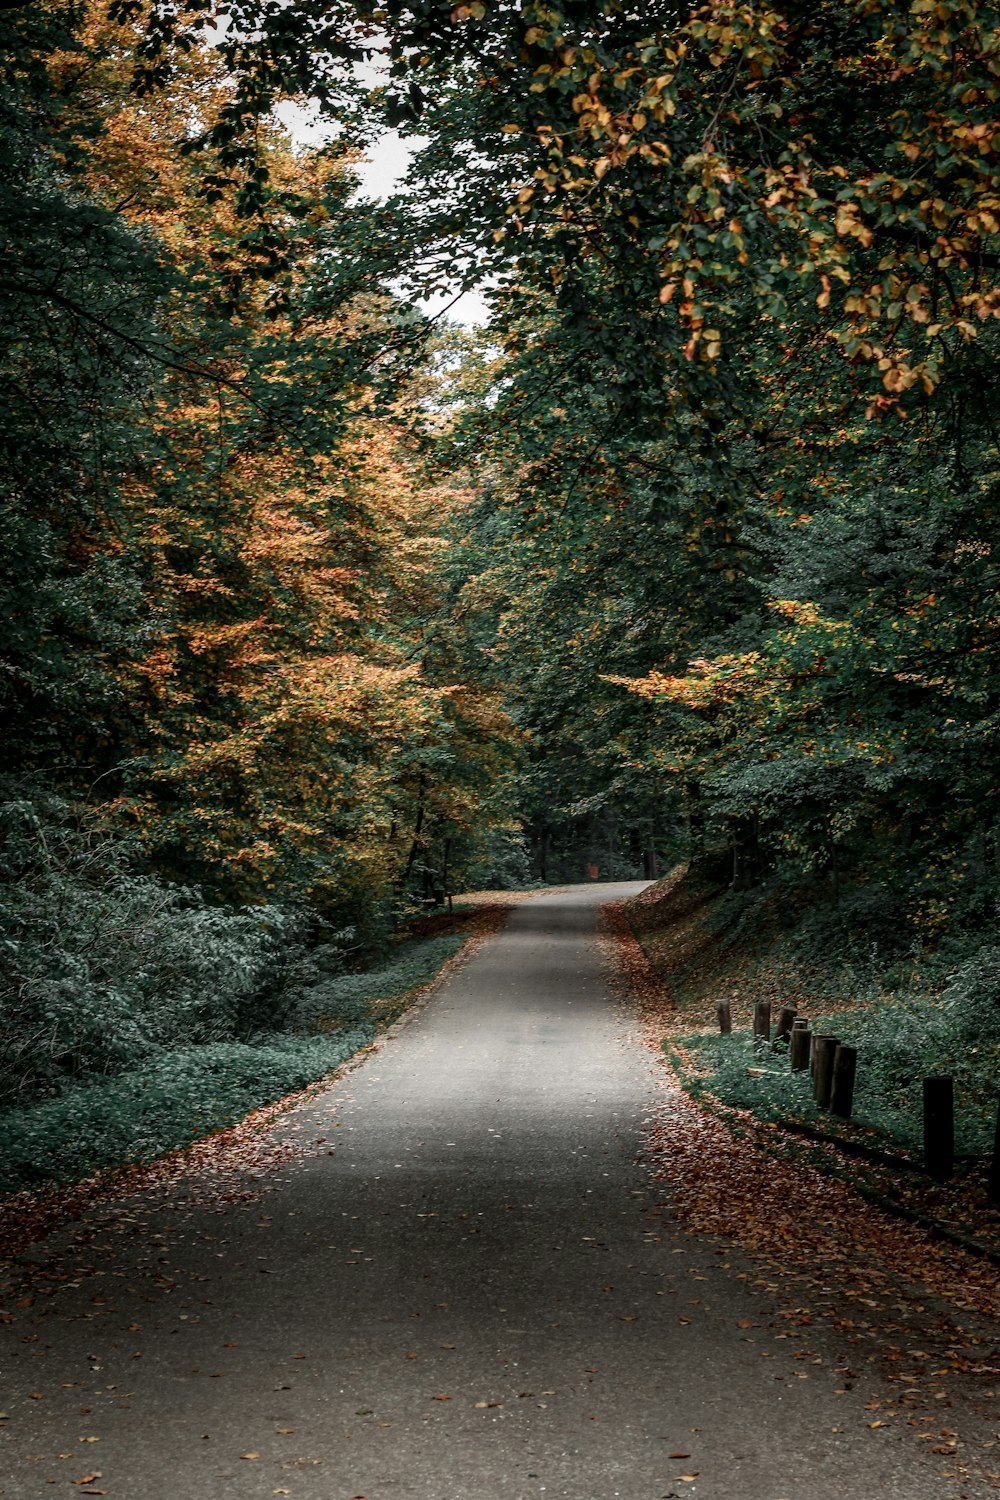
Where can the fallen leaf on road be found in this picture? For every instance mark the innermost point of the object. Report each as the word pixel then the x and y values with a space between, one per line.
pixel 88 1478
pixel 680 1455
pixel 249 1455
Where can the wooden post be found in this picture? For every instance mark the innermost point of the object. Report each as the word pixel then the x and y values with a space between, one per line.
pixel 939 1128
pixel 845 1067
pixel 762 1020
pixel 724 1012
pixel 824 1049
pixel 993 1185
pixel 799 1046
pixel 786 1020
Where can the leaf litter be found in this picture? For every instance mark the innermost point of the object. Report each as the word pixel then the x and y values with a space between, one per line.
pixel 918 1313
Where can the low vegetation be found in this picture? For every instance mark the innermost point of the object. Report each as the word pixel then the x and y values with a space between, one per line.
pixel 928 1013
pixel 135 1016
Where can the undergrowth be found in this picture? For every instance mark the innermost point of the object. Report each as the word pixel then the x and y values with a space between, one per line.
pixel 852 969
pixel 185 1093
pixel 888 1092
pixel 136 1016
pixel 172 1101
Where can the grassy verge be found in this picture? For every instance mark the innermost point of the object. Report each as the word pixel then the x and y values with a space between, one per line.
pixel 184 1094
pixel 703 946
pixel 171 1102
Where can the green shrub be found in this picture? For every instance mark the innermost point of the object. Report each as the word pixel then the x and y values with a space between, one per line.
pixel 136 1017
pixel 103 967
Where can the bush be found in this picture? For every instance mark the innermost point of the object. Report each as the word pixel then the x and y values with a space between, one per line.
pixel 103 966
pixel 149 1017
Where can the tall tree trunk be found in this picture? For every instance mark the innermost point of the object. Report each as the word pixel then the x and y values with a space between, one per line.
pixel 417 829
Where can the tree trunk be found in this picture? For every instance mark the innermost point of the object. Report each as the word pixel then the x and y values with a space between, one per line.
pixel 417 829
pixel 746 853
pixel 695 821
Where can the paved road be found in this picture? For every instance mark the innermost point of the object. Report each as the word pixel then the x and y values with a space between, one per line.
pixel 464 1301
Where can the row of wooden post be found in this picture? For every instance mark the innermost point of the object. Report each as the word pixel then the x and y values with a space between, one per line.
pixel 834 1065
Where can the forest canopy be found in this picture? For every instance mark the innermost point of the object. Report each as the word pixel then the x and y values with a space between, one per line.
pixel 315 605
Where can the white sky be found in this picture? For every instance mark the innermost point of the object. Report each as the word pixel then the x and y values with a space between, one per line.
pixel 385 166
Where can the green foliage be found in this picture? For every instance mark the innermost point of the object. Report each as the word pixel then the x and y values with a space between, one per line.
pixel 104 967
pixel 173 1100
pixel 171 1095
pixel 779 535
pixel 150 1017
pixel 901 1040
pixel 503 865
pixel 319 995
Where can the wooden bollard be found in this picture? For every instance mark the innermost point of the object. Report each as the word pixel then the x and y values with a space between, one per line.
pixel 786 1020
pixel 845 1067
pixel 824 1049
pixel 762 1020
pixel 724 1013
pixel 799 1046
pixel 993 1183
pixel 939 1128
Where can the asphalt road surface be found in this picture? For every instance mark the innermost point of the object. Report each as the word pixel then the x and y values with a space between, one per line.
pixel 452 1291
